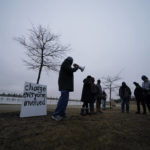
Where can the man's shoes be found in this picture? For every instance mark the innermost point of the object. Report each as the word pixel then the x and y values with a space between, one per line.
pixel 57 117
pixel 82 113
pixel 137 112
pixel 92 113
pixel 100 111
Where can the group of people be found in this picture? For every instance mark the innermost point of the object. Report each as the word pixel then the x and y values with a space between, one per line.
pixel 92 92
pixel 141 93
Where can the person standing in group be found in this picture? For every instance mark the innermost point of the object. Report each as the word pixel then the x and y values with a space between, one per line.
pixel 104 97
pixel 99 96
pixel 94 92
pixel 86 95
pixel 66 85
pixel 138 92
pixel 146 89
pixel 125 95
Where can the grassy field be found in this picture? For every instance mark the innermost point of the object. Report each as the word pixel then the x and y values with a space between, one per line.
pixel 111 130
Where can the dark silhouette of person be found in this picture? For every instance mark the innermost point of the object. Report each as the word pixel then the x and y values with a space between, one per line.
pixel 146 89
pixel 138 93
pixel 99 96
pixel 125 95
pixel 104 96
pixel 86 95
pixel 95 93
pixel 66 85
pixel 89 95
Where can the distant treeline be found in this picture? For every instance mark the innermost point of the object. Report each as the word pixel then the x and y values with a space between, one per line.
pixel 20 95
pixel 53 98
pixel 10 95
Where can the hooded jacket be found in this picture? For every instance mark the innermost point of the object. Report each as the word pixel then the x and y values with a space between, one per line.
pixel 66 78
pixel 86 91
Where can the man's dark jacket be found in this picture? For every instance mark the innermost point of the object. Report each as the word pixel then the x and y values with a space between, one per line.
pixel 138 92
pixel 66 78
pixel 125 92
pixel 86 91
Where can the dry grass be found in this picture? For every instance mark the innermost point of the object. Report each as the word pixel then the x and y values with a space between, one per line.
pixel 111 130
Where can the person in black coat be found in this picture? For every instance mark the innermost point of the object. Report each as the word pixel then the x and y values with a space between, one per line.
pixel 86 95
pixel 66 85
pixel 66 77
pixel 138 92
pixel 125 95
pixel 89 95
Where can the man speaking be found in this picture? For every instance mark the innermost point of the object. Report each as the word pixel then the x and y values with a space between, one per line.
pixel 66 85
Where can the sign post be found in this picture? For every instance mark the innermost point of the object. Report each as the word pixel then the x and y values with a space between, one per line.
pixel 34 101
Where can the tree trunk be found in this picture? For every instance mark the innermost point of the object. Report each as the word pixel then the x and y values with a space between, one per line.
pixel 110 95
pixel 40 69
pixel 39 74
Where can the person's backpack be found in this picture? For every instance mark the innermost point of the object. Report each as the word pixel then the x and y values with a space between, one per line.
pixel 94 89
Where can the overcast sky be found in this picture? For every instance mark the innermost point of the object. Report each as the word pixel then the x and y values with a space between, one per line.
pixel 106 36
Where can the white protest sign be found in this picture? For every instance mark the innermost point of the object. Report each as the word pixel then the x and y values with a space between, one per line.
pixel 34 100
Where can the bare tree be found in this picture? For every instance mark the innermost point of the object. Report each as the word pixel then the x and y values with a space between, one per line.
pixel 110 84
pixel 43 50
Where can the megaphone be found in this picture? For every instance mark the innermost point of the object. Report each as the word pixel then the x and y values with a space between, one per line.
pixel 81 68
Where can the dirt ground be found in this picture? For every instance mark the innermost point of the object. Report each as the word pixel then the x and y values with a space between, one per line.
pixel 110 130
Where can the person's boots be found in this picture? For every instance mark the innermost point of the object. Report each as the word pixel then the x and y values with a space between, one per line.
pixel 82 111
pixel 87 111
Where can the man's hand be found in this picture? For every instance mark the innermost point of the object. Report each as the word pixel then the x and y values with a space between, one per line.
pixel 76 66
